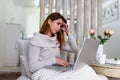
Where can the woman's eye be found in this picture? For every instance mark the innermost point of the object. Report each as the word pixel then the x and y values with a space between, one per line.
pixel 58 23
pixel 61 26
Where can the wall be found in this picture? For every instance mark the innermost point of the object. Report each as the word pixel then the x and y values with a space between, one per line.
pixel 0 11
pixel 12 13
pixel 32 16
pixel 11 34
pixel 9 13
pixel 112 46
pixel 1 36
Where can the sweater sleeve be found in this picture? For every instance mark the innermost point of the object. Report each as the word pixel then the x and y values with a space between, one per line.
pixel 34 61
pixel 70 44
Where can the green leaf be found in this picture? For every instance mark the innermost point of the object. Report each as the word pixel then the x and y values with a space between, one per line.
pixel 100 37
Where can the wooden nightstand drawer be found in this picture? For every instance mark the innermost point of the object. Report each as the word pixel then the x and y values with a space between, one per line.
pixel 107 70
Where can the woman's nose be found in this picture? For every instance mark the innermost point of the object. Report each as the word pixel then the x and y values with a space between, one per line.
pixel 59 28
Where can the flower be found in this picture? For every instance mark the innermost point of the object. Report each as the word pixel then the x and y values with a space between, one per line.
pixel 106 35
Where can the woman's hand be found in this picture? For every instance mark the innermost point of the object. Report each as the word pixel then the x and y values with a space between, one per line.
pixel 62 62
pixel 64 27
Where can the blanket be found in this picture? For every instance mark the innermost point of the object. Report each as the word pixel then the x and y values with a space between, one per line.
pixel 84 73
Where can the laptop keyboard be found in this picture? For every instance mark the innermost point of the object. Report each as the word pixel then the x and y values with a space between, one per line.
pixel 59 68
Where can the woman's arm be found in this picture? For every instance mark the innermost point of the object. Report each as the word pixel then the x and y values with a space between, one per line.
pixel 70 45
pixel 34 59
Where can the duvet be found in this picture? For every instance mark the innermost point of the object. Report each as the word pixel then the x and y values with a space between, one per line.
pixel 84 73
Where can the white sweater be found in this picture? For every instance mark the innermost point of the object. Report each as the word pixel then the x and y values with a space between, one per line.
pixel 43 50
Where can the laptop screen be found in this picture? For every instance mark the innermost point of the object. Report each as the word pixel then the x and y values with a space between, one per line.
pixel 87 53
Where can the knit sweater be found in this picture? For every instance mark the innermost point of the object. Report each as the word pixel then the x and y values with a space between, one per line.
pixel 43 50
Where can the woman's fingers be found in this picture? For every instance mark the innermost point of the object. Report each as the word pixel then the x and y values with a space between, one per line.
pixel 65 27
pixel 65 64
pixel 62 62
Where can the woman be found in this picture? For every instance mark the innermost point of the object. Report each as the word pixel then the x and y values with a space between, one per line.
pixel 45 49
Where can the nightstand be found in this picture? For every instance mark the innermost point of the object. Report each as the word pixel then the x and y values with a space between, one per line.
pixel 108 70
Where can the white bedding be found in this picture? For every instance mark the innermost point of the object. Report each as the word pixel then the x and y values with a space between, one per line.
pixel 84 73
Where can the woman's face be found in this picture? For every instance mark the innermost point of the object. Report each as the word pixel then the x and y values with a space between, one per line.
pixel 55 25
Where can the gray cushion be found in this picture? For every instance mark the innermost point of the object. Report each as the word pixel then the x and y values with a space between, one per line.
pixel 24 65
pixel 22 47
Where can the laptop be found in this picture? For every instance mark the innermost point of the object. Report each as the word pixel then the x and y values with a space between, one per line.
pixel 86 55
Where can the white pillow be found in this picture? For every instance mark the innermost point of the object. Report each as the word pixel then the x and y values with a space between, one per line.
pixel 24 66
pixel 22 46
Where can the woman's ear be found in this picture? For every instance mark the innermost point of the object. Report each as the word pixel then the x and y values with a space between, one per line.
pixel 49 21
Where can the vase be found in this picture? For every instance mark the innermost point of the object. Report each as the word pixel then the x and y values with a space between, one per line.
pixel 100 56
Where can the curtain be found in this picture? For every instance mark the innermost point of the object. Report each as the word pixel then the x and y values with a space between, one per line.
pixel 82 15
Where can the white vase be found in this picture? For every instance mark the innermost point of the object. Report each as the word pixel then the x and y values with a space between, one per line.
pixel 100 56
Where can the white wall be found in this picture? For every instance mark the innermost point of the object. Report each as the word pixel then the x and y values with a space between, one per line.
pixel 1 36
pixel 0 11
pixel 12 13
pixel 1 46
pixel 112 46
pixel 11 34
pixel 9 13
pixel 32 16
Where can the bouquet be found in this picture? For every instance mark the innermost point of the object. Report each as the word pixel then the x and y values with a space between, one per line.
pixel 103 38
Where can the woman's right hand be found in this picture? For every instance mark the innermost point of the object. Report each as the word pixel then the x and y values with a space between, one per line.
pixel 62 62
pixel 64 27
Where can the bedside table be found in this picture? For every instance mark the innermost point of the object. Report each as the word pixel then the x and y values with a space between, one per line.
pixel 108 70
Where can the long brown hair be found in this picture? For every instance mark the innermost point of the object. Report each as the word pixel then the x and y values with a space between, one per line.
pixel 46 27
